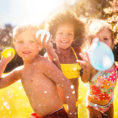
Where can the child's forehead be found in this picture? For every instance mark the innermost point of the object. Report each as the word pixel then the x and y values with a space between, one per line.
pixel 26 29
pixel 104 31
pixel 26 34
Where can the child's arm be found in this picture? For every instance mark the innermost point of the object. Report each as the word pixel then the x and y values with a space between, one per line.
pixel 52 54
pixel 55 74
pixel 87 70
pixel 7 79
pixel 44 38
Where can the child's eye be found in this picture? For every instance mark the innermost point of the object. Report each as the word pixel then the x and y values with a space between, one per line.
pixel 105 38
pixel 32 41
pixel 20 42
pixel 60 33
pixel 70 34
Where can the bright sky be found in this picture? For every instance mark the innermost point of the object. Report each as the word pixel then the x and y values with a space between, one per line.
pixel 26 11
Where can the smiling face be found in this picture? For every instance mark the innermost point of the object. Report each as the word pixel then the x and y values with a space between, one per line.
pixel 26 45
pixel 64 35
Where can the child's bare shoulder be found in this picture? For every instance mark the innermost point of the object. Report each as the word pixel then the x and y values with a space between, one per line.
pixel 45 63
pixel 42 60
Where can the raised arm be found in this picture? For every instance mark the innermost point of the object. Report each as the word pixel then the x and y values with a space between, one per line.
pixel 44 38
pixel 56 75
pixel 7 79
pixel 87 70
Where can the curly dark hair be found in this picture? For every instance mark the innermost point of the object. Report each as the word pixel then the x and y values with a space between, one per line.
pixel 66 16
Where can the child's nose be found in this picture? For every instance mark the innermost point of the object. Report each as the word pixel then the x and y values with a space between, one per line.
pixel 65 36
pixel 26 45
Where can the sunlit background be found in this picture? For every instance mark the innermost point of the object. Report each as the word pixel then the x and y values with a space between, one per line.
pixel 13 101
pixel 26 11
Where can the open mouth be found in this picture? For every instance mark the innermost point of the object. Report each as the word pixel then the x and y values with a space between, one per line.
pixel 64 42
pixel 26 52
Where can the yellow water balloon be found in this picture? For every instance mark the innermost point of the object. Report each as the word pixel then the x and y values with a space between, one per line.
pixel 8 52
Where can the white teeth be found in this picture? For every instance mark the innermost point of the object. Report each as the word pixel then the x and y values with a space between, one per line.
pixel 64 42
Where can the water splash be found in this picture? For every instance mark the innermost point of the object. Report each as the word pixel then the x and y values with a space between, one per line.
pixel 6 105
pixel 72 86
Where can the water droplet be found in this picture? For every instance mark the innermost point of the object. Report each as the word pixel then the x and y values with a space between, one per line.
pixel 54 59
pixel 67 97
pixel 70 113
pixel 20 87
pixel 45 92
pixel 73 92
pixel 6 105
pixel 75 69
pixel 72 86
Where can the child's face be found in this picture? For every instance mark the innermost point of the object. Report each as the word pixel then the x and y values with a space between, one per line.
pixel 64 35
pixel 105 36
pixel 26 45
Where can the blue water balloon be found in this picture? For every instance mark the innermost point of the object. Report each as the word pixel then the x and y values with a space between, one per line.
pixel 101 56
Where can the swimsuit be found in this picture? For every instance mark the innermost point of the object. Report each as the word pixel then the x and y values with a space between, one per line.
pixel 61 113
pixel 102 89
pixel 71 71
pixel 101 108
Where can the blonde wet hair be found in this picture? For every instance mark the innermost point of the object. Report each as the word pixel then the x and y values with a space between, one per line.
pixel 20 29
pixel 97 25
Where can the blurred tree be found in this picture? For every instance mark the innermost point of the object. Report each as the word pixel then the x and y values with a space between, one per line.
pixel 111 14
pixel 88 8
pixel 5 36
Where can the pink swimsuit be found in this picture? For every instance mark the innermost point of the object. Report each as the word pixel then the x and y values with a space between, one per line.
pixel 102 89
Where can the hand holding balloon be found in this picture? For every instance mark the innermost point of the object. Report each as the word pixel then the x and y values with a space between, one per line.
pixel 8 52
pixel 101 56
pixel 43 35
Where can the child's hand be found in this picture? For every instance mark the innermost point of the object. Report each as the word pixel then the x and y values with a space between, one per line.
pixel 7 55
pixel 7 59
pixel 88 70
pixel 44 38
pixel 85 62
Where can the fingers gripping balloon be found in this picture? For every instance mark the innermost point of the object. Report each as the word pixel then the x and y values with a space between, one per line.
pixel 8 52
pixel 43 33
pixel 101 56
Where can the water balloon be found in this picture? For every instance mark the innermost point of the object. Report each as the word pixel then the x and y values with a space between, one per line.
pixel 8 52
pixel 101 55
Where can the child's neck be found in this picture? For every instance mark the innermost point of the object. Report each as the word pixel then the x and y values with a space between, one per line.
pixel 64 50
pixel 28 62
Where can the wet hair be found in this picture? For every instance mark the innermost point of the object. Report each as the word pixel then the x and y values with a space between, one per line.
pixel 66 16
pixel 95 26
pixel 20 29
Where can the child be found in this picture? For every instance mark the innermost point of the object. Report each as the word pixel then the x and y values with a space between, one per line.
pixel 101 83
pixel 67 32
pixel 39 77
